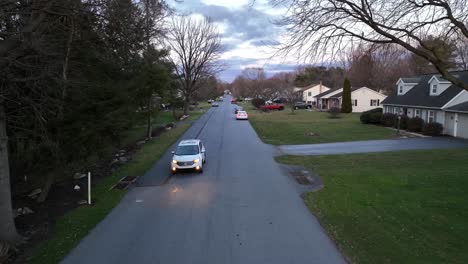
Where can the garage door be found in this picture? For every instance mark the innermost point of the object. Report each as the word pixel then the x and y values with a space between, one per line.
pixel 462 130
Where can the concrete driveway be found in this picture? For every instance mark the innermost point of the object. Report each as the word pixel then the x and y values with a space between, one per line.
pixel 372 146
pixel 242 209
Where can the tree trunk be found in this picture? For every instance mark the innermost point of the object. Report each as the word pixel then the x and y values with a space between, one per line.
pixel 186 105
pixel 60 115
pixel 8 231
pixel 149 127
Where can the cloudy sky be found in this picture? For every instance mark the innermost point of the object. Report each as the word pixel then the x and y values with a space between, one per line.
pixel 248 33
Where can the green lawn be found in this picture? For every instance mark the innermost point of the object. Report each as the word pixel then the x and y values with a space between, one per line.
pixel 396 207
pixel 282 128
pixel 73 226
pixel 162 118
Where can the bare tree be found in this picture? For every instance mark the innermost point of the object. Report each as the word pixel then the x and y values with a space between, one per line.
pixel 196 47
pixel 288 90
pixel 325 27
pixel 462 54
pixel 255 80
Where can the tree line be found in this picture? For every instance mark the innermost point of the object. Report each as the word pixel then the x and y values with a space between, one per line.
pixel 374 66
pixel 76 74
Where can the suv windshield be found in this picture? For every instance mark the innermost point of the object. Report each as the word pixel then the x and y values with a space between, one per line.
pixel 187 150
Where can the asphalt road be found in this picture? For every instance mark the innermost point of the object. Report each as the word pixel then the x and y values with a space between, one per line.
pixel 373 146
pixel 242 209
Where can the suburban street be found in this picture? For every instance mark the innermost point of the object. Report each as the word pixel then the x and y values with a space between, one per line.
pixel 242 209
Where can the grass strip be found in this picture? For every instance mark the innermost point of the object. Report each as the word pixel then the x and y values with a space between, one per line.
pixel 75 225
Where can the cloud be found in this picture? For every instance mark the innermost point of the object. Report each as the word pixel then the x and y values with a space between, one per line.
pixel 264 42
pixel 248 32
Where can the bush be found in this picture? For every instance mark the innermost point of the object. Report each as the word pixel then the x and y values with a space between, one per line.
pixel 240 99
pixel 433 129
pixel 334 112
pixel 257 102
pixel 415 124
pixel 403 122
pixel 372 116
pixel 388 119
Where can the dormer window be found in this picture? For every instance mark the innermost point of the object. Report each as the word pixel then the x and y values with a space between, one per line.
pixel 438 85
pixel 400 89
pixel 434 89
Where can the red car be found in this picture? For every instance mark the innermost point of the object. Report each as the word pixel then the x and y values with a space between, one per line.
pixel 233 101
pixel 278 107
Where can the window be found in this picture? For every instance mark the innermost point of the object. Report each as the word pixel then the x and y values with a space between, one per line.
pixel 187 150
pixel 417 112
pixel 396 110
pixel 400 89
pixel 355 102
pixel 374 102
pixel 309 94
pixel 434 89
pixel 431 116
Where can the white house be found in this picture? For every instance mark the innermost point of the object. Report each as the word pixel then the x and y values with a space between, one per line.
pixel 310 91
pixel 362 99
pixel 434 99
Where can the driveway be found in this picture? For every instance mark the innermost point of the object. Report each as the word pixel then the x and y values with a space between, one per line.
pixel 372 146
pixel 242 209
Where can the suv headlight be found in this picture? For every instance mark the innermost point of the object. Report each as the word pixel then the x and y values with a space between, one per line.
pixel 196 161
pixel 174 161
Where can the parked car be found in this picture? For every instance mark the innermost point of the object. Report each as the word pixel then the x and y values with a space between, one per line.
pixel 215 104
pixel 278 107
pixel 242 115
pixel 210 101
pixel 248 99
pixel 220 99
pixel 233 101
pixel 302 105
pixel 189 155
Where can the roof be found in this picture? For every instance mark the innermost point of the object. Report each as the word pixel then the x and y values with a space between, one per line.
pixel 189 142
pixel 411 80
pixel 419 94
pixel 327 92
pixel 463 107
pixel 308 86
pixel 340 94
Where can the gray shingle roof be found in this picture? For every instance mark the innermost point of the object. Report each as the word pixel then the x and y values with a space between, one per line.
pixel 419 94
pixel 411 80
pixel 463 107
pixel 338 95
pixel 325 93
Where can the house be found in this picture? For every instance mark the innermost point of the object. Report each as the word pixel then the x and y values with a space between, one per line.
pixel 433 99
pixel 362 99
pixel 310 91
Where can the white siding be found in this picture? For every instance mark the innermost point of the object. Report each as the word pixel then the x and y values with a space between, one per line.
pixel 363 96
pixel 406 87
pixel 440 117
pixel 449 124
pixel 308 95
pixel 462 128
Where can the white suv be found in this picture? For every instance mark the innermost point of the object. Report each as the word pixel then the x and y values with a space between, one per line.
pixel 190 154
